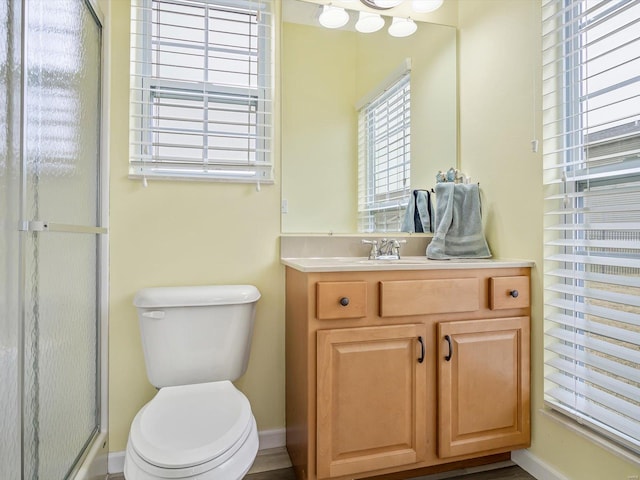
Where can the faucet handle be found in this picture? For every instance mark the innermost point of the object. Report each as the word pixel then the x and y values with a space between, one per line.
pixel 374 248
pixel 395 247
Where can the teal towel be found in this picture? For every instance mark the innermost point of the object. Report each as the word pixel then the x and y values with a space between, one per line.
pixel 420 203
pixel 458 223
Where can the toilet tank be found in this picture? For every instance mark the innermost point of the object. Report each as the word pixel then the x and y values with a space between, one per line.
pixel 196 334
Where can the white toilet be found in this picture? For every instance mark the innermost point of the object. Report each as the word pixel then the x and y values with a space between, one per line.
pixel 196 341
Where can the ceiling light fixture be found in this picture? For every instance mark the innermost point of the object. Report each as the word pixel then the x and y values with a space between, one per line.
pixel 426 6
pixel 333 17
pixel 402 27
pixel 419 6
pixel 369 22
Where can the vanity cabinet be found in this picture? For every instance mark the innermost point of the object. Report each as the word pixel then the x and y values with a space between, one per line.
pixel 405 372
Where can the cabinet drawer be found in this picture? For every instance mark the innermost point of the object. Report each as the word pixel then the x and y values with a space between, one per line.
pixel 509 292
pixel 423 297
pixel 332 297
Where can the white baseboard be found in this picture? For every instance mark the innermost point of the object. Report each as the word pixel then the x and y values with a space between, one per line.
pixel 115 464
pixel 273 440
pixel 534 466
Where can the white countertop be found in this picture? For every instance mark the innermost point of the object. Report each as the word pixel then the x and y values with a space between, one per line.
pixel 363 264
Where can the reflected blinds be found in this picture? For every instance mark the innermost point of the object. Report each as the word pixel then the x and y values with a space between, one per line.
pixel 384 126
pixel 201 78
pixel 591 105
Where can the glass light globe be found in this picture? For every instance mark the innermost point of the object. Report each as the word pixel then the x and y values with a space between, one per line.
pixel 425 6
pixel 333 17
pixel 369 22
pixel 402 27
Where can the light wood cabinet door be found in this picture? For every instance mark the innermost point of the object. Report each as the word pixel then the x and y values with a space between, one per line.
pixel 483 385
pixel 371 394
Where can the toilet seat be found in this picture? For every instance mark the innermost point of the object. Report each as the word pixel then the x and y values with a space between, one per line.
pixel 192 429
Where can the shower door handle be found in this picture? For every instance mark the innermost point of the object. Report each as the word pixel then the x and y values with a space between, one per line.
pixel 44 226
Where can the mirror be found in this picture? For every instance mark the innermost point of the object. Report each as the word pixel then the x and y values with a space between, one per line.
pixel 324 74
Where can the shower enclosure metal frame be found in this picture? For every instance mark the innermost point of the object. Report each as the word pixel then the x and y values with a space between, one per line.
pixel 91 462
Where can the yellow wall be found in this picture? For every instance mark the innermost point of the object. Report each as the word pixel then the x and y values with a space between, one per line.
pixel 181 233
pixel 499 83
pixel 320 131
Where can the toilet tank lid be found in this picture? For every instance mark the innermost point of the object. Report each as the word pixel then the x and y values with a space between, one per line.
pixel 195 296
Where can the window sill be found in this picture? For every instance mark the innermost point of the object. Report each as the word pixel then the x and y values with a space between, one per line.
pixel 202 178
pixel 592 436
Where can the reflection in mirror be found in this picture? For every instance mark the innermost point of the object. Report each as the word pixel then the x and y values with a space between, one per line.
pixel 325 74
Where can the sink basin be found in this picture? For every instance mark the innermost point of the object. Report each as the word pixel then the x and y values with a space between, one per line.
pixel 366 261
pixel 400 261
pixel 361 264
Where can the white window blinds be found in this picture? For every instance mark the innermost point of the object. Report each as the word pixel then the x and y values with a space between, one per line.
pixel 201 96
pixel 591 105
pixel 384 158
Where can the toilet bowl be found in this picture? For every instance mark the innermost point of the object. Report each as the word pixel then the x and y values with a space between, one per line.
pixel 199 425
pixel 206 430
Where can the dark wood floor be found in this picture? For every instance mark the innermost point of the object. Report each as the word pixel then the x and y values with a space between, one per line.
pixel 508 473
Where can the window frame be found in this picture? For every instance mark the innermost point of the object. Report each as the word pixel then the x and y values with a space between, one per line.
pixel 145 164
pixel 583 171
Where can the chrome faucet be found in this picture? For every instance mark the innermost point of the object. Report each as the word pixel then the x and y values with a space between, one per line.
pixel 389 249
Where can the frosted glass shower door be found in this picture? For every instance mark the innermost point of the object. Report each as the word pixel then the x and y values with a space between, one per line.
pixel 61 180
pixel 9 240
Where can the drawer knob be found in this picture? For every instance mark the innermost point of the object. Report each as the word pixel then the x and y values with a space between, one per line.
pixel 514 293
pixel 344 301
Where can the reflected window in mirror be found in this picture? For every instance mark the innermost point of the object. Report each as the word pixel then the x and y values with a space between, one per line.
pixel 384 158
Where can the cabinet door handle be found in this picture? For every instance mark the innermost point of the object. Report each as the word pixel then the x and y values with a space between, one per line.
pixel 422 350
pixel 514 293
pixel 344 301
pixel 448 339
